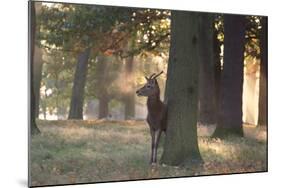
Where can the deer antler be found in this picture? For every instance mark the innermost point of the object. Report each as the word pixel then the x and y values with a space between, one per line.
pixel 157 75
pixel 151 76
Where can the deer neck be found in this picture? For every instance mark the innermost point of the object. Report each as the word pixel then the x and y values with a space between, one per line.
pixel 153 102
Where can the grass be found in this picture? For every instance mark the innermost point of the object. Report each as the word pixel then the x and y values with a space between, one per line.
pixel 70 152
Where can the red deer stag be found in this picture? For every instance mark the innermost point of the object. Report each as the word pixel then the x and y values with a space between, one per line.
pixel 157 112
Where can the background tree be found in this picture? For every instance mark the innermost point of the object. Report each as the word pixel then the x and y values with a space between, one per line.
pixel 129 82
pixel 262 117
pixel 129 98
pixel 181 146
pixel 73 29
pixel 251 70
pixel 103 86
pixel 33 127
pixel 56 85
pixel 230 109
pixel 77 99
pixel 38 61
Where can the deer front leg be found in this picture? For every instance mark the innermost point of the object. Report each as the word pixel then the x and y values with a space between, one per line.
pixel 155 142
pixel 152 133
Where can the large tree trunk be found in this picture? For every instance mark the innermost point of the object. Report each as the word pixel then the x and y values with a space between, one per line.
pixel 262 119
pixel 33 126
pixel 129 97
pixel 78 89
pixel 217 67
pixel 230 109
pixel 32 109
pixel 38 64
pixel 207 108
pixel 181 146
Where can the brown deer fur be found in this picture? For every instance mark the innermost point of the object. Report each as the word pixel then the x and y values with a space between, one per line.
pixel 157 112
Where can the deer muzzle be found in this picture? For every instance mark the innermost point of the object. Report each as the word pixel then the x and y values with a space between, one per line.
pixel 138 92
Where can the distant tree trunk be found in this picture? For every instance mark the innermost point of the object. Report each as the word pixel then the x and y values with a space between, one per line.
pixel 44 105
pixel 103 106
pixel 262 119
pixel 78 89
pixel 32 29
pixel 129 97
pixel 207 95
pixel 181 146
pixel 230 109
pixel 102 87
pixel 45 112
pixel 59 109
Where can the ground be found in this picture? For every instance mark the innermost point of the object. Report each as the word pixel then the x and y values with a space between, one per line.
pixel 70 152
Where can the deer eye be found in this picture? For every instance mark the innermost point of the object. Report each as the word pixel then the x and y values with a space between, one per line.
pixel 148 86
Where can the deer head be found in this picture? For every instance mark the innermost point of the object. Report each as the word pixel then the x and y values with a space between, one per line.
pixel 151 87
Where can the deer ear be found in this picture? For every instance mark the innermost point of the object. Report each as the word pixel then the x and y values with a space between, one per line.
pixel 146 78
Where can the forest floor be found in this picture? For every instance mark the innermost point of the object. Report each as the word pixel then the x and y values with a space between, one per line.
pixel 70 152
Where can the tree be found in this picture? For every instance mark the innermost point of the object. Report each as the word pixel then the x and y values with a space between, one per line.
pixel 38 61
pixel 33 127
pixel 181 146
pixel 207 93
pixel 77 99
pixel 72 28
pixel 217 58
pixel 37 72
pixel 230 106
pixel 129 82
pixel 262 118
pixel 129 97
pixel 102 86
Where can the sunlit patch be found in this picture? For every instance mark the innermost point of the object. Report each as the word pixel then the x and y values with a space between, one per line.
pixel 251 91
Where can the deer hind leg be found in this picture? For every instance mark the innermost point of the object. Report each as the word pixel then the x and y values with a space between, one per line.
pixel 156 138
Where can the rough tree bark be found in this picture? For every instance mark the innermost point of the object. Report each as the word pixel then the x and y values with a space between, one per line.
pixel 32 109
pixel 79 82
pixel 181 146
pixel 207 94
pixel 38 64
pixel 129 97
pixel 262 119
pixel 230 109
pixel 217 67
